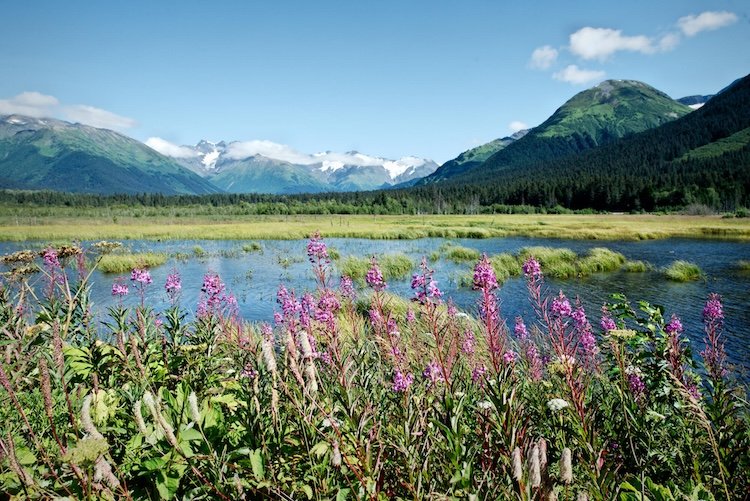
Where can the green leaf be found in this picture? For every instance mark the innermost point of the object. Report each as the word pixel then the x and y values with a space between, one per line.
pixel 153 464
pixel 190 434
pixel 256 462
pixel 167 485
pixel 319 449
pixel 343 494
pixel 308 491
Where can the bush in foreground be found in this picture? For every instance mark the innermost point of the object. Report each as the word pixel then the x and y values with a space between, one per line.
pixel 370 397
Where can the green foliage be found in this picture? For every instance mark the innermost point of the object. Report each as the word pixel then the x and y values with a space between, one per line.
pixel 123 263
pixel 216 408
pixel 683 271
pixel 395 266
pixel 636 266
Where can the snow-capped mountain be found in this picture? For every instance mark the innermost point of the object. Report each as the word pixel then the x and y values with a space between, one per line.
pixel 267 167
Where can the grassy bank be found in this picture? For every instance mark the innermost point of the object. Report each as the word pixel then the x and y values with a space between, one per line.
pixel 16 226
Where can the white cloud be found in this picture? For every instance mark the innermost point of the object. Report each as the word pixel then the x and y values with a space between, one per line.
pixel 97 117
pixel 33 104
pixel 543 57
pixel 577 76
pixel 170 149
pixel 517 125
pixel 243 149
pixel 600 43
pixel 705 21
pixel 669 42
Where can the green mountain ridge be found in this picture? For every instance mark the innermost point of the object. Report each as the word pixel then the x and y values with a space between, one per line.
pixel 601 115
pixel 52 154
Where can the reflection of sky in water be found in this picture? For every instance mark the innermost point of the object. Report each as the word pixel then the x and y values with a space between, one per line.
pixel 255 276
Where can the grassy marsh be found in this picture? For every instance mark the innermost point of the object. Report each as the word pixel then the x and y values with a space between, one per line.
pixel 683 271
pixel 123 263
pixel 64 225
pixel 393 266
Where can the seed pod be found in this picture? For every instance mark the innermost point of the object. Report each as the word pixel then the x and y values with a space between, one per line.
pixel 566 467
pixel 535 474
pixel 517 466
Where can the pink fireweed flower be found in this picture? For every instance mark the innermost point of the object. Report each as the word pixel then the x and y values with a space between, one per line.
pixel 213 296
pixel 141 277
pixel 119 287
pixel 317 249
pixel 411 317
pixel 477 374
pixel 484 275
pixel 674 326
pixel 248 372
pixel 346 288
pixel 374 277
pixel 536 364
pixel 607 324
pixel 531 268
pixel 468 344
pixel 561 306
pixel 713 354
pixel 520 329
pixel 636 385
pixel 509 357
pixel 401 382
pixel 51 260
pixel 713 312
pixel 173 285
pixel 433 374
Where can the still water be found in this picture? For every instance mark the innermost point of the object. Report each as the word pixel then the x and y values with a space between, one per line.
pixel 254 277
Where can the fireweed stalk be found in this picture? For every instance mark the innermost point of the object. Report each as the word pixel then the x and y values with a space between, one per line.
pixel 493 327
pixel 713 354
pixel 568 333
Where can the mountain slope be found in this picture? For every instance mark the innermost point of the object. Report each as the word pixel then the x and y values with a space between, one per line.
pixel 258 174
pixel 42 154
pixel 476 156
pixel 597 116
pixel 703 157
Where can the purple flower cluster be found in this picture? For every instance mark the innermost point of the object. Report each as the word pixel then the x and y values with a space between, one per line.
pixel 477 373
pixel 608 323
pixel 51 260
pixel 636 385
pixel 374 277
pixel 248 372
pixel 214 299
pixel 173 285
pixel 411 317
pixel 484 275
pixel 520 330
pixel 316 249
pixel 433 373
pixel 424 287
pixel 402 382
pixel 346 288
pixel 328 305
pixel 509 357
pixel 674 326
pixel 713 312
pixel 141 277
pixel 561 306
pixel 119 287
pixel 468 345
pixel 531 268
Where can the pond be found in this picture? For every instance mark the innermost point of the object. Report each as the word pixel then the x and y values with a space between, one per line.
pixel 253 277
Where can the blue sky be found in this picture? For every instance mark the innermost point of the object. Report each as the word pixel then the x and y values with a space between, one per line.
pixel 388 78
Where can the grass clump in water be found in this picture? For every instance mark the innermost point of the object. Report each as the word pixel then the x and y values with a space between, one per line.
pixel 199 251
pixel 556 263
pixel 506 266
pixel 683 271
pixel 252 247
pixel 636 266
pixel 459 254
pixel 122 263
pixel 393 266
pixel 600 260
pixel 743 265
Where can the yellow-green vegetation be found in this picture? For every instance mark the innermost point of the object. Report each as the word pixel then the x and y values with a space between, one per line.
pixel 600 260
pixel 636 266
pixel 252 247
pixel 393 266
pixel 65 225
pixel 556 263
pixel 683 271
pixel 458 253
pixel 506 265
pixel 199 251
pixel 123 263
pixel 743 265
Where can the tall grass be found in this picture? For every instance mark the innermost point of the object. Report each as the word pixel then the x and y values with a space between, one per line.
pixel 683 271
pixel 123 263
pixel 636 266
pixel 396 266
